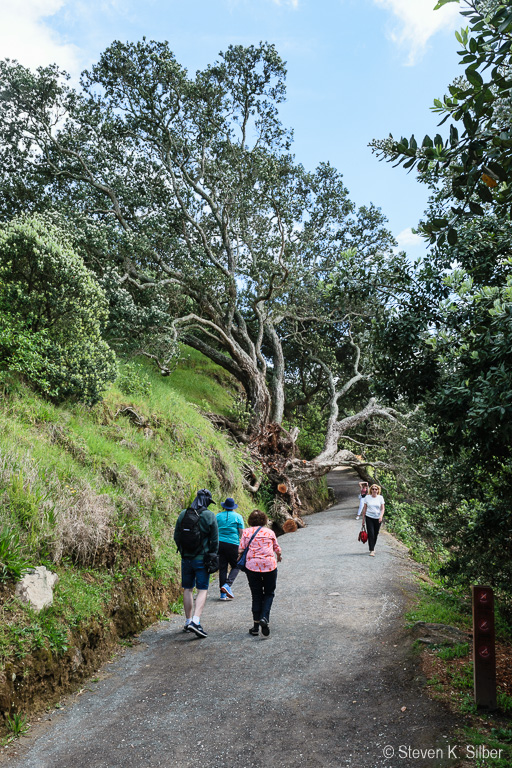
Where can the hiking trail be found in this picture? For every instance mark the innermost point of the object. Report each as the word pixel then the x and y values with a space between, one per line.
pixel 325 690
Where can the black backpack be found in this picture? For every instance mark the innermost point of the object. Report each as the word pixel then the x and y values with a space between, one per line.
pixel 190 533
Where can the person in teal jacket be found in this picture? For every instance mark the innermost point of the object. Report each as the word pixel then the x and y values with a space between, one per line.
pixel 230 525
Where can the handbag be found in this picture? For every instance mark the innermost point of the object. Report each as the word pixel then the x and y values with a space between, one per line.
pixel 211 562
pixel 363 536
pixel 240 564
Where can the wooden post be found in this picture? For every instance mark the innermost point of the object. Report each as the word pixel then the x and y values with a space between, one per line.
pixel 484 647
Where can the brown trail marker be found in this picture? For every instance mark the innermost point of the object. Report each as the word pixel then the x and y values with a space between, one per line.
pixel 484 647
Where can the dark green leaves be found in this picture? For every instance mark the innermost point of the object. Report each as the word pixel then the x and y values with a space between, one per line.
pixel 478 112
pixel 474 77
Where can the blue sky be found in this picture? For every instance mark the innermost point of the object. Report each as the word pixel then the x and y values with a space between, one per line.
pixel 357 69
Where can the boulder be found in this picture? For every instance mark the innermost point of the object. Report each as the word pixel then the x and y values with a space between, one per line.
pixel 439 634
pixel 36 587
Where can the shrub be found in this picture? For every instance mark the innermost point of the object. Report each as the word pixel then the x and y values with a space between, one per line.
pixel 132 380
pixel 17 724
pixel 51 313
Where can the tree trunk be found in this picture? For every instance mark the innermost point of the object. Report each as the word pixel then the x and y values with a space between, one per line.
pixel 258 399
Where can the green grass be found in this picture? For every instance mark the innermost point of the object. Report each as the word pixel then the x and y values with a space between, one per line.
pixel 504 702
pixel 455 652
pixel 17 724
pixel 203 383
pixel 498 739
pixel 437 605
pixel 77 600
pixel 52 457
pixel 462 676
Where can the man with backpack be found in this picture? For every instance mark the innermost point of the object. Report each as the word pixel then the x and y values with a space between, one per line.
pixel 196 535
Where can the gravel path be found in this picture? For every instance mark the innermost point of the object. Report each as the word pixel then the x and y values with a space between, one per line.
pixel 326 688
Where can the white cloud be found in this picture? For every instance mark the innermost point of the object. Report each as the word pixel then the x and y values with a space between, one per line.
pixel 408 238
pixel 293 3
pixel 418 22
pixel 25 36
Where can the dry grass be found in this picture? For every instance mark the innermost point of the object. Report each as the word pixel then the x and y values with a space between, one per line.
pixel 73 521
pixel 82 526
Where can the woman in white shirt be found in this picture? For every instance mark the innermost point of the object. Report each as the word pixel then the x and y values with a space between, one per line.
pixel 373 512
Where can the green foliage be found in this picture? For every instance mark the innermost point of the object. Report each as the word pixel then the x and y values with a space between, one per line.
pixel 498 739
pixel 457 652
pixel 289 307
pixel 438 605
pixel 467 704
pixel 477 152
pixel 177 606
pixel 502 734
pixel 462 676
pixel 504 702
pixel 133 380
pixel 17 724
pixel 412 526
pixel 448 344
pixel 265 496
pixel 65 469
pixel 13 561
pixel 51 313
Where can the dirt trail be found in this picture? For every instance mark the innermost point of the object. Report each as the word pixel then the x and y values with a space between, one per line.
pixel 326 689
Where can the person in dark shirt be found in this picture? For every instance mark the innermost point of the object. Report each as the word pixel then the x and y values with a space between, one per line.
pixel 193 569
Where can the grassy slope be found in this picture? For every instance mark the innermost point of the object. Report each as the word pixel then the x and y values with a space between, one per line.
pixel 93 496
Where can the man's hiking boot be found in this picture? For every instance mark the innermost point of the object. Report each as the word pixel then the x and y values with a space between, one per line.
pixel 265 629
pixel 197 629
pixel 226 590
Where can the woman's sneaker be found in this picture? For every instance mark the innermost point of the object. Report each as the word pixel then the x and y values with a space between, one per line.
pixel 254 631
pixel 265 629
pixel 223 596
pixel 226 590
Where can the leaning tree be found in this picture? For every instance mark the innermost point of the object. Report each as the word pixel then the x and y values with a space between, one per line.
pixel 188 184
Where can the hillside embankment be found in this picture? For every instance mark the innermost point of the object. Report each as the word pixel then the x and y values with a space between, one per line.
pixel 93 494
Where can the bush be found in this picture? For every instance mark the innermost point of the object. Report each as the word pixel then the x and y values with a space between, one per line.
pixel 51 313
pixel 132 380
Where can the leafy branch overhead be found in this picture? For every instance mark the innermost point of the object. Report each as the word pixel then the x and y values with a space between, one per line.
pixel 475 161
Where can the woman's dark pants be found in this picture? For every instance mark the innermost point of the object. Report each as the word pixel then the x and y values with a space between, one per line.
pixel 263 587
pixel 228 555
pixel 373 528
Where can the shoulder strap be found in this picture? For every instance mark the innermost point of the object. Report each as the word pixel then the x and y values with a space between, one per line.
pixel 252 537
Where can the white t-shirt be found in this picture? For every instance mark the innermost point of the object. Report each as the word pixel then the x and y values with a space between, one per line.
pixel 373 505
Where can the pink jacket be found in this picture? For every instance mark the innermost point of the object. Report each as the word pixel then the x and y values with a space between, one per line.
pixel 260 556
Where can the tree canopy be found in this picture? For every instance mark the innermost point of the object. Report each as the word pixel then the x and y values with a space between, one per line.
pixel 187 186
pixel 475 161
pixel 51 313
pixel 455 329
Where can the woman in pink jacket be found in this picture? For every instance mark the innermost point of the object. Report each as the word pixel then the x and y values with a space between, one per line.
pixel 261 569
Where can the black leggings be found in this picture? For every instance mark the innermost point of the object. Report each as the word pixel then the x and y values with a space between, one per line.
pixel 263 587
pixel 228 555
pixel 373 528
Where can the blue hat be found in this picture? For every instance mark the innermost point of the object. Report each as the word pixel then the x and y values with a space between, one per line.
pixel 229 504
